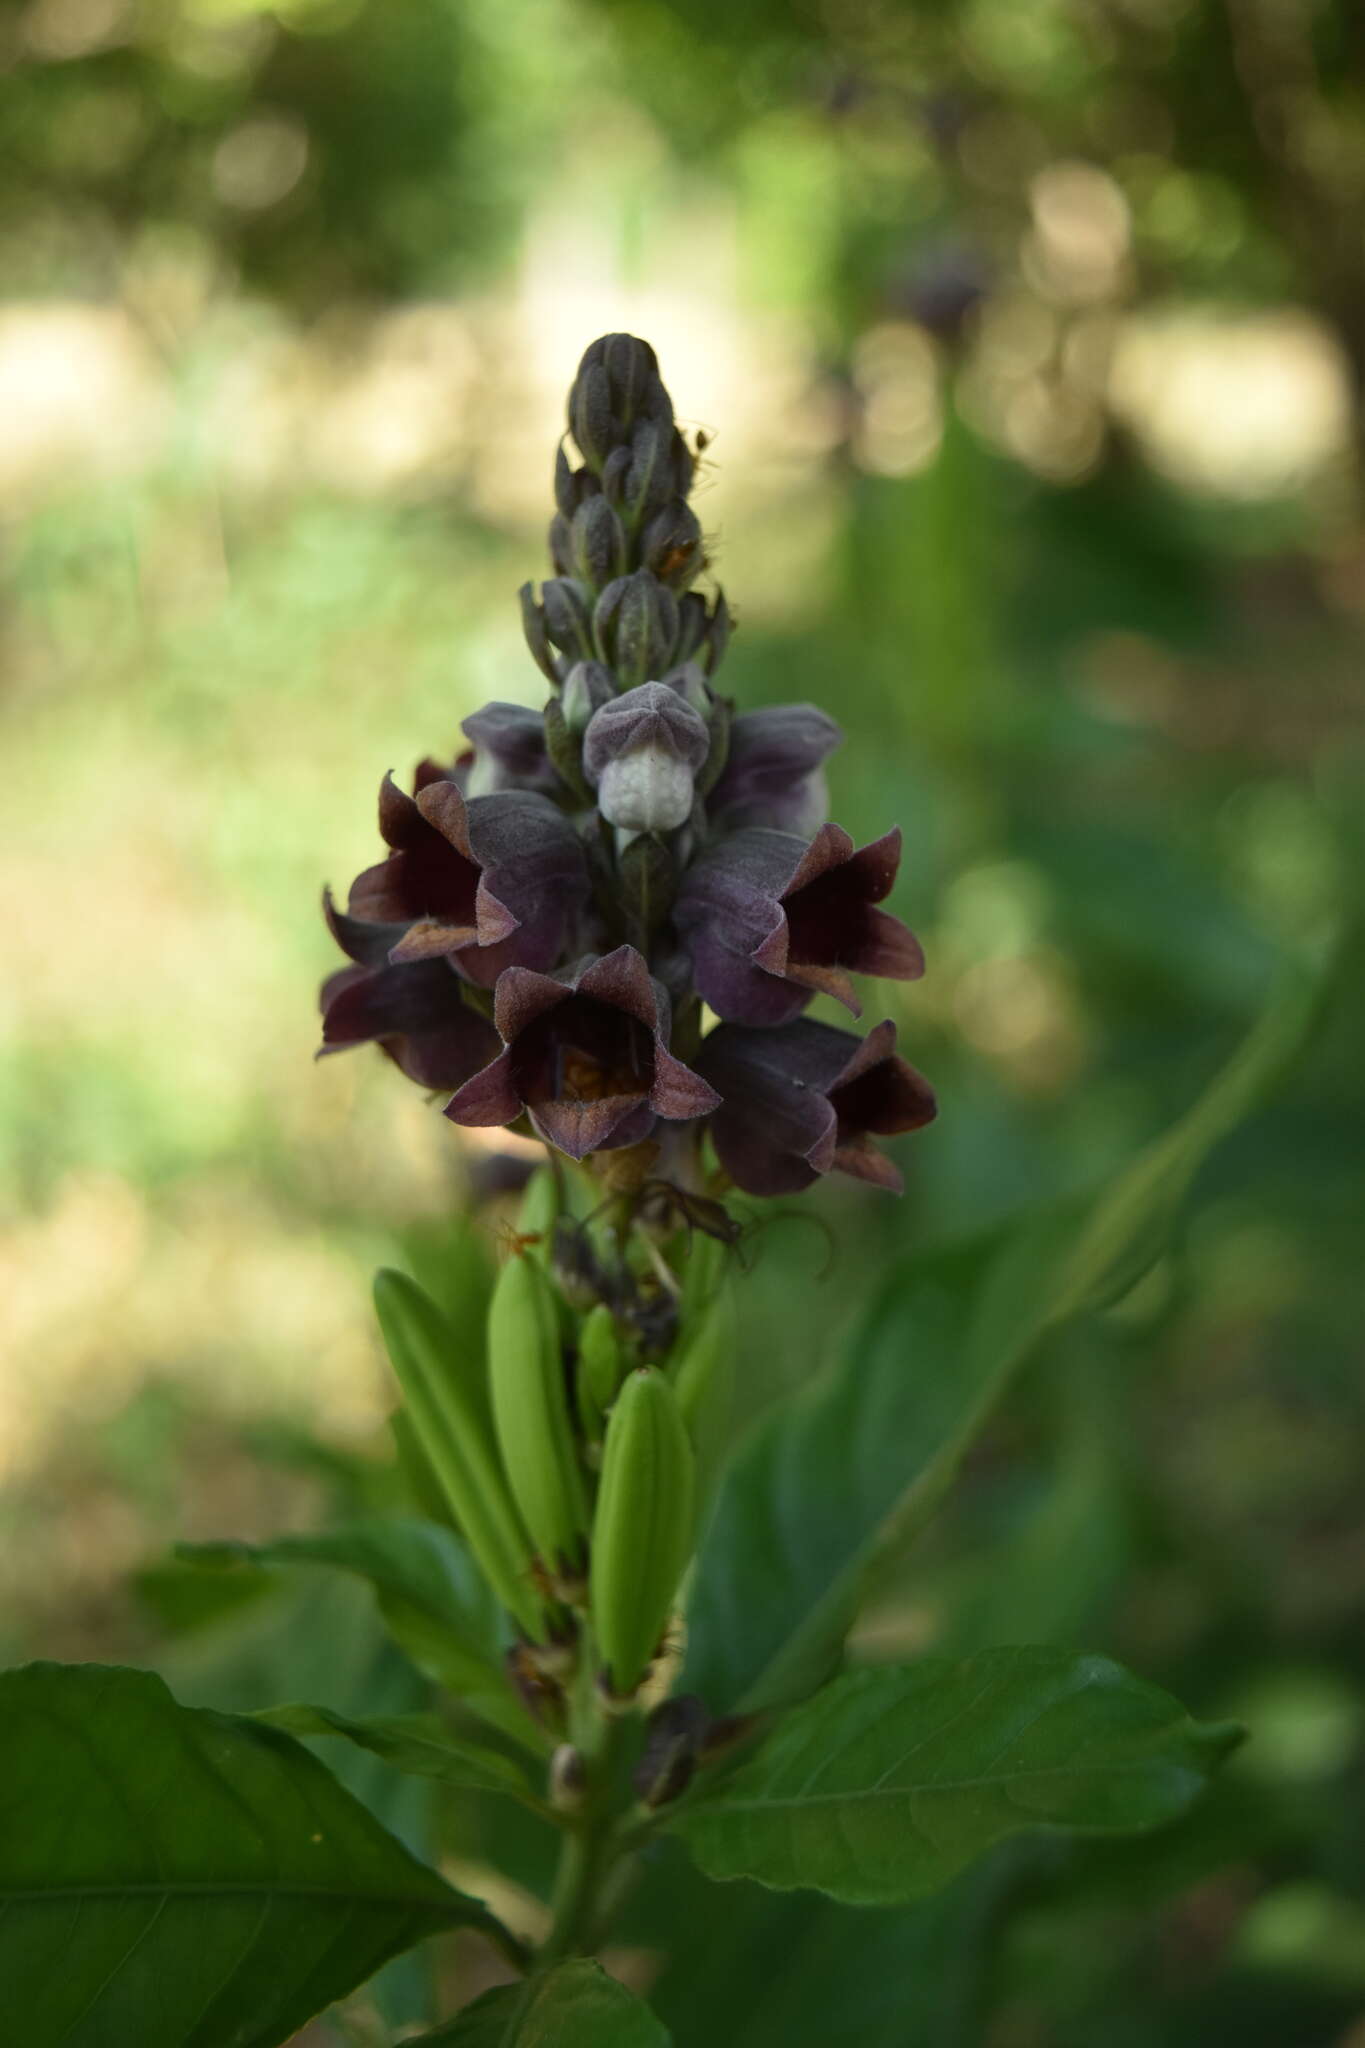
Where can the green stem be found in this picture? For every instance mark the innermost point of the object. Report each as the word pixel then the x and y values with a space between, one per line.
pixel 592 1850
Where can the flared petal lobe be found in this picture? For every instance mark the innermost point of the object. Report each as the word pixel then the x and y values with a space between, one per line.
pixel 804 1099
pixel 769 920
pixel 416 1014
pixel 487 882
pixel 586 1058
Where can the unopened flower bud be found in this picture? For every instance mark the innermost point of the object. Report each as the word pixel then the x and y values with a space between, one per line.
pixel 641 753
pixel 572 486
pixel 615 474
pixel 633 376
pixel 598 542
pixel 566 615
pixel 636 622
pixel 689 683
pixel 671 545
pixel 561 546
pixel 587 687
pixel 692 623
pixel 590 417
pixel 533 626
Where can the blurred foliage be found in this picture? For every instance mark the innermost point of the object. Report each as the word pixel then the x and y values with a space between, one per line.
pixel 1034 338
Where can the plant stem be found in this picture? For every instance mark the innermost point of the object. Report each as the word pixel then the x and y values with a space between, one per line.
pixel 592 1849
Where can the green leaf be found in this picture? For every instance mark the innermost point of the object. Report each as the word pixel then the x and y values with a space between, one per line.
pixel 892 1779
pixel 418 1744
pixel 431 1594
pixel 179 1878
pixel 575 2005
pixel 860 1459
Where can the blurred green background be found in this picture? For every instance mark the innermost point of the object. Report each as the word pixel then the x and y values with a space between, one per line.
pixel 1031 341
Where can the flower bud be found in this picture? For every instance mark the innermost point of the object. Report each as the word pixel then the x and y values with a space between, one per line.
pixel 446 1402
pixel 590 419
pixel 564 750
pixel 636 623
pixel 615 471
pixel 587 687
pixel 632 370
pixel 598 543
pixel 641 753
pixel 643 1528
pixel 566 615
pixel 692 623
pixel 533 626
pixel 572 485
pixel 561 546
pixel 671 545
pixel 531 1414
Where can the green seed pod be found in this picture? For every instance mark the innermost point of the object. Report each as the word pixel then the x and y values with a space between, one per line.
pixel 599 1367
pixel 539 1211
pixel 642 1533
pixel 531 1414
pixel 451 1423
pixel 703 1377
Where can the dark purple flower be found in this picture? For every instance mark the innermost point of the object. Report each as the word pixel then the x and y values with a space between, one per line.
pixel 489 882
pixel 806 1099
pixel 774 771
pixel 768 921
pixel 416 1013
pixel 586 1058
pixel 509 751
pixel 641 754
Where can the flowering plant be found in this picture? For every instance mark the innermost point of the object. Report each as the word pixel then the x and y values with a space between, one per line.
pixel 603 925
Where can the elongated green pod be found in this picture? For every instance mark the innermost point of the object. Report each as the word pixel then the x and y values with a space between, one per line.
pixel 539 1213
pixel 531 1414
pixel 703 1378
pixel 453 1429
pixel 643 1529
pixel 599 1367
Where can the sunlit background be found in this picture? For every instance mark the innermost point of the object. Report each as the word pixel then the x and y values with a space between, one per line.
pixel 1029 339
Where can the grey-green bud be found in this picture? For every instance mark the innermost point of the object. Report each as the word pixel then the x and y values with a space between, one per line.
pixel 587 687
pixel 567 621
pixel 598 543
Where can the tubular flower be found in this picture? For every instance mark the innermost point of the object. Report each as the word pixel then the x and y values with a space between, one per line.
pixel 487 882
pixel 417 1013
pixel 770 921
pixel 805 1100
pixel 595 872
pixel 587 1058
pixel 774 770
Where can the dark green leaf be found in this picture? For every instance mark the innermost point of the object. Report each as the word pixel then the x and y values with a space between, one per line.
pixel 178 1878
pixel 418 1744
pixel 889 1781
pixel 861 1458
pixel 430 1592
pixel 576 2005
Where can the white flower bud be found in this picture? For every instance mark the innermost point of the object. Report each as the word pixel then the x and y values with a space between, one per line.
pixel 647 790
